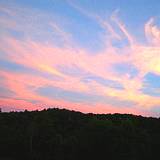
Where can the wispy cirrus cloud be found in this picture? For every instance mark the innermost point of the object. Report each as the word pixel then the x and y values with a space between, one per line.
pixel 46 67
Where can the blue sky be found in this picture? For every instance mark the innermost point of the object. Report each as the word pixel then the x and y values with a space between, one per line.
pixel 93 56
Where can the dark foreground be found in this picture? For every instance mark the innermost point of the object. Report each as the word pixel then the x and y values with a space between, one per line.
pixel 66 135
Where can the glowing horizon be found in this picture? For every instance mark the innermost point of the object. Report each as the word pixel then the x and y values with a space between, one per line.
pixel 100 57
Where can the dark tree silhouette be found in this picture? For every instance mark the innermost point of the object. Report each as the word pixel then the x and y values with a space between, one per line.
pixel 56 134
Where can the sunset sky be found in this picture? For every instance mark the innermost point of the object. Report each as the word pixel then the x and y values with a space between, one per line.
pixel 100 56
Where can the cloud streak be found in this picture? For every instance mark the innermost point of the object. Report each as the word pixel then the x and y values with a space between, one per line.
pixel 73 72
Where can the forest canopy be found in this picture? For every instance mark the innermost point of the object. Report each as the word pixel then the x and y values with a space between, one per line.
pixel 59 134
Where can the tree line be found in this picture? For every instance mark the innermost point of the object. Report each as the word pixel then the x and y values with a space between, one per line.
pixel 59 134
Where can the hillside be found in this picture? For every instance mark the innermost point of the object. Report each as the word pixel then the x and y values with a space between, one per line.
pixel 56 134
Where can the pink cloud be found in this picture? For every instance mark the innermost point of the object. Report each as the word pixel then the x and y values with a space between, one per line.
pixel 46 57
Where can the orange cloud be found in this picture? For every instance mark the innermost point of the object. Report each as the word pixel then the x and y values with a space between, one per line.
pixel 47 57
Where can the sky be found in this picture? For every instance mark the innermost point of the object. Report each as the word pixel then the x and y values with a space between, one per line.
pixel 86 55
